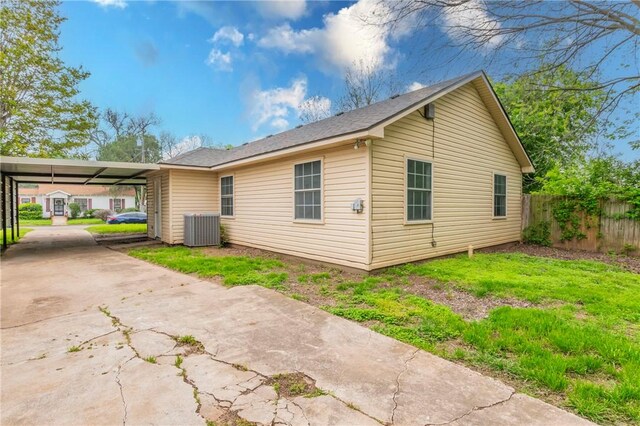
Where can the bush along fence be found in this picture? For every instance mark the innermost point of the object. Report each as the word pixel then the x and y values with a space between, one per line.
pixel 607 225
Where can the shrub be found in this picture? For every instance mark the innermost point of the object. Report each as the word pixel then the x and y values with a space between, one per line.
pixel 89 213
pixel 129 209
pixel 74 210
pixel 30 211
pixel 224 237
pixel 539 233
pixel 102 214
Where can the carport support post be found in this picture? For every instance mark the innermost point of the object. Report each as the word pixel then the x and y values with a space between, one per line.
pixel 12 209
pixel 17 212
pixel 4 212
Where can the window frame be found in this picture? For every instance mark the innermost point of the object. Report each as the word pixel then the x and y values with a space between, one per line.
pixel 86 202
pixel 119 200
pixel 406 191
pixel 493 195
pixel 294 191
pixel 233 196
pixel 22 200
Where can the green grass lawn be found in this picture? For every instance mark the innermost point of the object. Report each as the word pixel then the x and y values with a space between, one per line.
pixel 578 346
pixel 47 222
pixel 123 228
pixel 10 241
pixel 85 221
pixel 35 222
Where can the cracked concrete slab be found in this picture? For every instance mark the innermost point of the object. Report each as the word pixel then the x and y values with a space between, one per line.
pixel 218 379
pixel 325 410
pixel 65 388
pixel 519 409
pixel 246 333
pixel 156 394
pixel 151 344
pixel 435 391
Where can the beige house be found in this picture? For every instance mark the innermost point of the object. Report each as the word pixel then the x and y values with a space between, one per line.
pixel 415 176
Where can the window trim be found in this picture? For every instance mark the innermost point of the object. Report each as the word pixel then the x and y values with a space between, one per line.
pixel 119 200
pixel 75 200
pixel 405 190
pixel 493 195
pixel 293 191
pixel 233 195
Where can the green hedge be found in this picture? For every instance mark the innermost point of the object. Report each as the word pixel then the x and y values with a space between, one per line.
pixel 30 211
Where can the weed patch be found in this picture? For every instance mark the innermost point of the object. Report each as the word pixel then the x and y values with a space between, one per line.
pixel 291 385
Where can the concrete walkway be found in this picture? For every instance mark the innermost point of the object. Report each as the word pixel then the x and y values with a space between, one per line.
pixel 56 279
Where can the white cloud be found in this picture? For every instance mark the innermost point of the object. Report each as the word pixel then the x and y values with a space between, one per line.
pixel 471 19
pixel 230 34
pixel 121 4
pixel 348 36
pixel 279 123
pixel 415 86
pixel 273 106
pixel 287 9
pixel 219 60
pixel 288 40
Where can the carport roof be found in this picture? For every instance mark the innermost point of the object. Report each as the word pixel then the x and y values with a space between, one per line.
pixel 48 170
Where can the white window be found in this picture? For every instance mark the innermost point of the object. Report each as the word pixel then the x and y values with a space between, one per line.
pixel 226 196
pixel 499 195
pixel 82 202
pixel 117 204
pixel 25 200
pixel 419 188
pixel 308 190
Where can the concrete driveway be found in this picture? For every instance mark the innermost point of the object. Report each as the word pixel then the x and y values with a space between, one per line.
pixel 89 336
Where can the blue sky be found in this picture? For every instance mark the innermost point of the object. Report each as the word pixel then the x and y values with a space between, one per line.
pixel 235 71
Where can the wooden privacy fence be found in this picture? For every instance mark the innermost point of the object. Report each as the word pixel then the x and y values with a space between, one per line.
pixel 605 232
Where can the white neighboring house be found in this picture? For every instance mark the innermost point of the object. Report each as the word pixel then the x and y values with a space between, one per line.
pixel 55 199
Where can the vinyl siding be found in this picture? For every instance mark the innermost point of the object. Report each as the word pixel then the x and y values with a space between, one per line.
pixel 263 208
pixel 467 149
pixel 165 204
pixel 191 192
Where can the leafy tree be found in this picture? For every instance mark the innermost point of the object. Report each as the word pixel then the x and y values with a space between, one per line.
pixel 596 179
pixel 130 148
pixel 556 127
pixel 39 112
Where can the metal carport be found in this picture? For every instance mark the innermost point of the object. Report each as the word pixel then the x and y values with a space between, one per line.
pixel 16 170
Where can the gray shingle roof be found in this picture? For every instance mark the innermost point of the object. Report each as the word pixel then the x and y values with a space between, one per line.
pixel 349 122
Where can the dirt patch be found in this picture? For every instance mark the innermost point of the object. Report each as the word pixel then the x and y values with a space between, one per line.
pixel 626 262
pixel 290 385
pixel 231 418
pixel 467 305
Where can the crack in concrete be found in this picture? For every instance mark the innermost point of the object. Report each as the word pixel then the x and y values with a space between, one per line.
pixel 474 409
pixel 124 402
pixel 397 390
pixel 126 331
pixel 41 320
pixel 97 337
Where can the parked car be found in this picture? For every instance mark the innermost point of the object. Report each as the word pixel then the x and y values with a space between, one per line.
pixel 130 217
